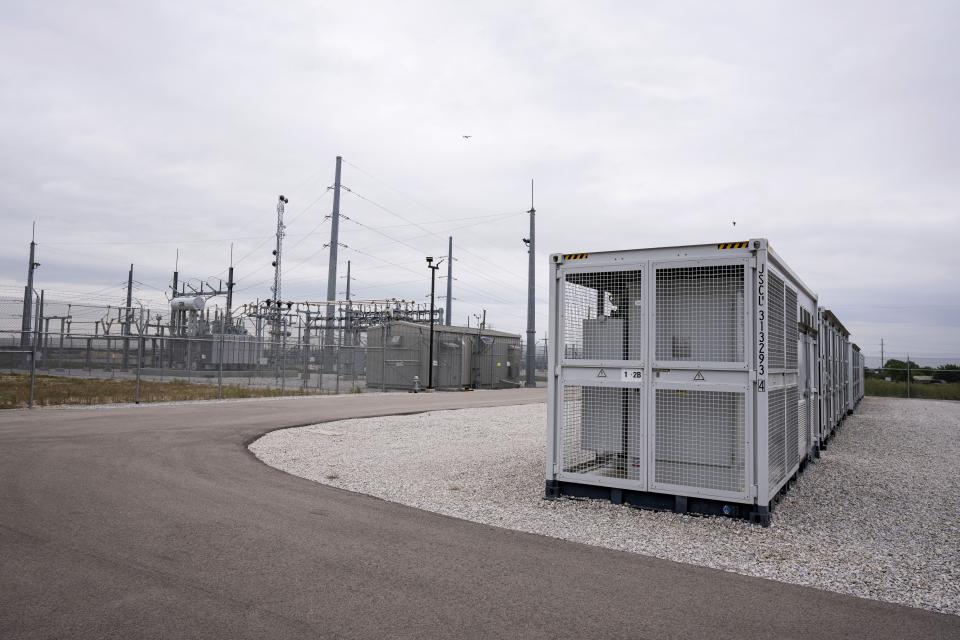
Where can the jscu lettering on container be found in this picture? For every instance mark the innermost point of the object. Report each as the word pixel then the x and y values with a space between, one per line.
pixel 761 328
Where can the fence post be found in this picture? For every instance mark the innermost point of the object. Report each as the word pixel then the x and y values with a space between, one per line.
pixel 33 373
pixel 283 369
pixel 136 397
pixel 908 375
pixel 304 376
pixel 323 349
pixel 383 359
pixel 220 368
pixel 337 364
pixel 353 364
pixel 305 345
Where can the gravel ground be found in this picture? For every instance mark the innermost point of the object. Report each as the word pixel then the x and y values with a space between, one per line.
pixel 877 517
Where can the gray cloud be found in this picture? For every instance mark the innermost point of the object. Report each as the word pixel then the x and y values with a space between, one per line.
pixel 829 129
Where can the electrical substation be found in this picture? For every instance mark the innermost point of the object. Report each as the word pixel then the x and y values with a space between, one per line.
pixel 330 343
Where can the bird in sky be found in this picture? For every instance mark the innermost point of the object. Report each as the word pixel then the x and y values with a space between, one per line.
pixel 467 137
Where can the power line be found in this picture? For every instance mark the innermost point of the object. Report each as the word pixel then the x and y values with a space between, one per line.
pixel 432 233
pixel 417 202
pixel 273 235
pixel 146 242
pixel 307 208
pixel 407 244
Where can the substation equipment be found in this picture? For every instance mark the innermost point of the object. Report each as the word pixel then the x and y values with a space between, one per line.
pixel 699 378
pixel 463 357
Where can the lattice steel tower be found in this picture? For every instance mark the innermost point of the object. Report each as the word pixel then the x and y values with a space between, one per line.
pixel 277 269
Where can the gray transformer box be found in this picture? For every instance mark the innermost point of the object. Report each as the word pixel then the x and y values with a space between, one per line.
pixel 398 351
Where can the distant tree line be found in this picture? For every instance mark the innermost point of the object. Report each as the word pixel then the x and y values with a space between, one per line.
pixel 896 370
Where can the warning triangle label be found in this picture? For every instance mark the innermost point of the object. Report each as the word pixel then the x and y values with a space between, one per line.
pixel 602 374
pixel 699 376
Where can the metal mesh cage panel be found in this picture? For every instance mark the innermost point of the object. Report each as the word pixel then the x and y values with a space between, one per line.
pixel 792 429
pixel 700 313
pixel 790 328
pixel 602 431
pixel 602 315
pixel 700 439
pixel 777 436
pixel 803 434
pixel 775 321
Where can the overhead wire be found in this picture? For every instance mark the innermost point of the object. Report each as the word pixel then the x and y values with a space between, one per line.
pixel 433 233
pixel 414 200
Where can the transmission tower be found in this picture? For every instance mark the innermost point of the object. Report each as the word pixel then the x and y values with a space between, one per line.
pixel 277 269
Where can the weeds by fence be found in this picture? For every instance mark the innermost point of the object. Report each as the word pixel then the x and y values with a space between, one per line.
pixel 877 387
pixel 60 390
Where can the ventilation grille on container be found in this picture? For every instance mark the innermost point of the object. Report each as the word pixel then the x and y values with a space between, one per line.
pixel 700 439
pixel 775 321
pixel 602 315
pixel 790 328
pixel 803 440
pixel 602 431
pixel 777 436
pixel 793 440
pixel 700 313
pixel 784 433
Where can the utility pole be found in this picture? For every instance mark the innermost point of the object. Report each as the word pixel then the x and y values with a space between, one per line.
pixel 229 315
pixel 334 245
pixel 450 281
pixel 128 318
pixel 531 297
pixel 26 326
pixel 883 362
pixel 433 280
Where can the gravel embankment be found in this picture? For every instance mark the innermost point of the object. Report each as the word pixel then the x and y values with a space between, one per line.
pixel 877 517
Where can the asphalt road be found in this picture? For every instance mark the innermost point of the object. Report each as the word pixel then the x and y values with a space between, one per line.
pixel 155 521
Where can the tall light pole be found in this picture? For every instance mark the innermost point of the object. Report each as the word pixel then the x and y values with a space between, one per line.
pixel 449 314
pixel 433 281
pixel 278 266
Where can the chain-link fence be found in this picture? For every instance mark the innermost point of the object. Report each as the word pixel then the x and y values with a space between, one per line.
pixel 69 353
pixel 62 352
pixel 904 378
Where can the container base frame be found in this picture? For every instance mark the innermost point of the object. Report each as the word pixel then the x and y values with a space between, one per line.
pixel 759 514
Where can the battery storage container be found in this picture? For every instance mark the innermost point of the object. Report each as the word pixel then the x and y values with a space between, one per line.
pixel 687 378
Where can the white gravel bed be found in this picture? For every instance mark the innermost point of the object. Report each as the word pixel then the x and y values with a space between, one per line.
pixel 878 516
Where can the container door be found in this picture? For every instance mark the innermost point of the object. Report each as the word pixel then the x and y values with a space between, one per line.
pixel 602 377
pixel 699 441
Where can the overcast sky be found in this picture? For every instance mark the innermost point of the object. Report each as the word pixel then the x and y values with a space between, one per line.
pixel 132 129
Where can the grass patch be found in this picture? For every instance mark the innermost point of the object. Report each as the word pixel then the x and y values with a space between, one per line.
pixel 62 390
pixel 877 387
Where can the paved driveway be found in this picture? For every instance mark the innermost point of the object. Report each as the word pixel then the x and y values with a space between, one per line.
pixel 155 521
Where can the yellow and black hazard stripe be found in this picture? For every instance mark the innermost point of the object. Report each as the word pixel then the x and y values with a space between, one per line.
pixel 576 256
pixel 733 245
